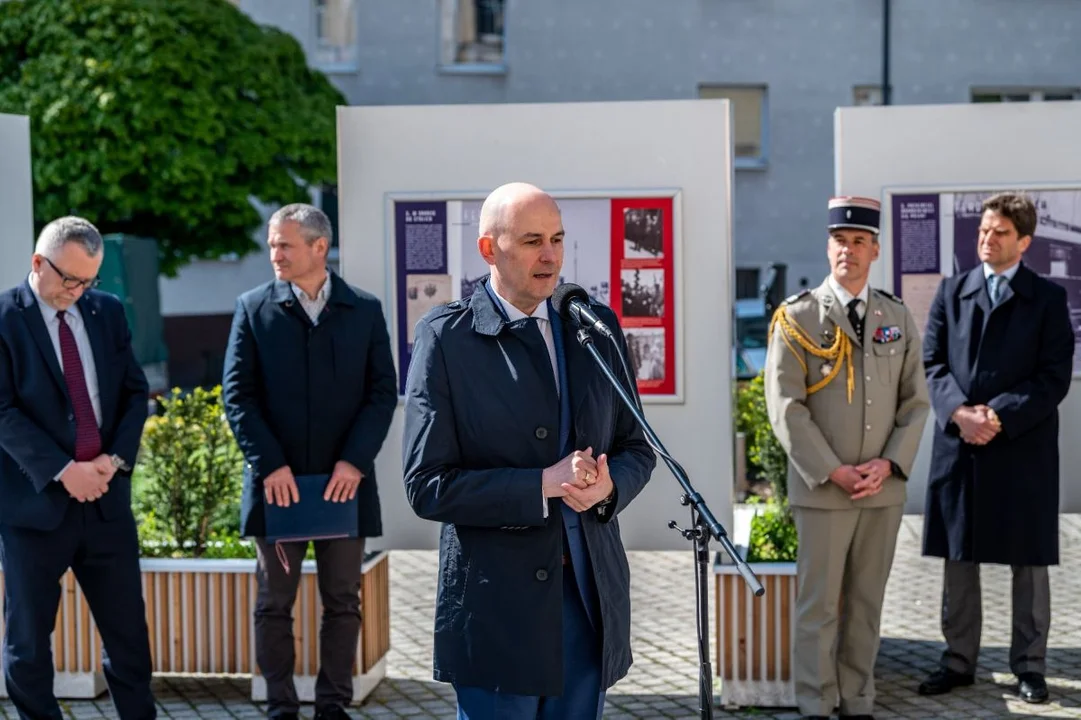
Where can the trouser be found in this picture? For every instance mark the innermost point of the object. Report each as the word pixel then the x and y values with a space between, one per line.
pixel 338 565
pixel 962 617
pixel 844 561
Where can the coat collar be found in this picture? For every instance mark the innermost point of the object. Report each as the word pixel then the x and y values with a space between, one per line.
pixel 1022 283
pixel 90 309
pixel 487 319
pixel 340 292
pixel 831 308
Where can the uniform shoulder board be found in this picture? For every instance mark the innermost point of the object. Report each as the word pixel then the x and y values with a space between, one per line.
pixel 891 296
pixel 793 298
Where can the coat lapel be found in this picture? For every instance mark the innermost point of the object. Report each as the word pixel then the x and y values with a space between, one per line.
pixel 580 370
pixel 832 310
pixel 975 309
pixel 93 321
pixel 34 320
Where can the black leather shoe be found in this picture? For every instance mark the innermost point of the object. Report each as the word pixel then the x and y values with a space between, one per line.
pixel 816 717
pixel 1032 687
pixel 942 681
pixel 858 717
pixel 333 712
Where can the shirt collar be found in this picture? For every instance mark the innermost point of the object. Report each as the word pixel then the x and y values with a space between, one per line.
pixel 846 297
pixel 48 312
pixel 323 294
pixel 1008 274
pixel 513 313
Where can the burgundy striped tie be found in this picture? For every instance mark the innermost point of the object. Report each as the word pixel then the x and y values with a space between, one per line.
pixel 87 437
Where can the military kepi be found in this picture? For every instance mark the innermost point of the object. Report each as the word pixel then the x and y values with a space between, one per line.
pixel 857 213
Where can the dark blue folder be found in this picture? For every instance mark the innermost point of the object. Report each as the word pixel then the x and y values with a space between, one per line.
pixel 313 518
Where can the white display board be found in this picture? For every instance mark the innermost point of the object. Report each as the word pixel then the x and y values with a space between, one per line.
pixel 390 158
pixel 949 151
pixel 16 200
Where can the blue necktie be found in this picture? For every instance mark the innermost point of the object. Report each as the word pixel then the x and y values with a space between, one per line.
pixel 996 283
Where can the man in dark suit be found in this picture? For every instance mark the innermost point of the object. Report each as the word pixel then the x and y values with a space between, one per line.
pixel 998 353
pixel 309 389
pixel 515 441
pixel 73 401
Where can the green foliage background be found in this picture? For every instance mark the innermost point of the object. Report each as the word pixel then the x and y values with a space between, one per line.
pixel 773 531
pixel 162 118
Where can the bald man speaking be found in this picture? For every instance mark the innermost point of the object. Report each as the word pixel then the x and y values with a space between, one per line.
pixel 517 444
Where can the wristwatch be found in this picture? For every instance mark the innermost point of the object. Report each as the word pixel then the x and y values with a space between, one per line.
pixel 119 464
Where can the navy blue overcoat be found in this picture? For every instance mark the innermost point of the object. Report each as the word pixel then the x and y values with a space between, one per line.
pixel 999 502
pixel 481 423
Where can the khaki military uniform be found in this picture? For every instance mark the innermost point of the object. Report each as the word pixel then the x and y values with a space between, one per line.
pixel 835 401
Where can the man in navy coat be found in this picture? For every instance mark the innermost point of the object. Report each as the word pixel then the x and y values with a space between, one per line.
pixel 73 401
pixel 309 389
pixel 998 353
pixel 518 445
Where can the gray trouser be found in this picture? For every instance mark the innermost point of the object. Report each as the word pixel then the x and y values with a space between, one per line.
pixel 962 617
pixel 338 565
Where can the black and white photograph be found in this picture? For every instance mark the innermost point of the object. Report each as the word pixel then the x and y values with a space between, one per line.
pixel 643 234
pixel 643 292
pixel 646 349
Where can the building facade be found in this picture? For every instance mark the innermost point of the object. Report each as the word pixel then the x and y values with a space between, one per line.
pixel 785 64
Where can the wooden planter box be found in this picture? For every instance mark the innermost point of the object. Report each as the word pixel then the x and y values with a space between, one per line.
pixel 199 613
pixel 754 636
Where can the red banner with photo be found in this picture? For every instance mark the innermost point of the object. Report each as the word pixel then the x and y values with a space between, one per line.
pixel 643 289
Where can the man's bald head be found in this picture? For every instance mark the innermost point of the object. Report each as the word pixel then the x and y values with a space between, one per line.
pixel 501 203
pixel 521 238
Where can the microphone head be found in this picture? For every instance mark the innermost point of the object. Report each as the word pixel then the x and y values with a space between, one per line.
pixel 564 294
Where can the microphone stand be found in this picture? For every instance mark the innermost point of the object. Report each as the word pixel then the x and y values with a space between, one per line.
pixel 703 526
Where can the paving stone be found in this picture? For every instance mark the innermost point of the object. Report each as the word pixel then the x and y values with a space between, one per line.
pixel 663 682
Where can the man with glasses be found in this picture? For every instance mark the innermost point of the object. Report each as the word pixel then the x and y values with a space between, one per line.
pixel 73 401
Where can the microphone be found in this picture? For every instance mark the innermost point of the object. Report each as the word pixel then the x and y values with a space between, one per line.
pixel 571 302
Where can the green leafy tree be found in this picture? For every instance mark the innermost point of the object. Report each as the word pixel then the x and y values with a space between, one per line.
pixel 165 118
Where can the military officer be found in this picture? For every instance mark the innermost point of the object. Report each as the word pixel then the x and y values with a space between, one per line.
pixel 847 399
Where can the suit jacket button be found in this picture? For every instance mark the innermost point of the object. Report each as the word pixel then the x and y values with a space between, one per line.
pixel 71 417
pixel 542 574
pixel 541 433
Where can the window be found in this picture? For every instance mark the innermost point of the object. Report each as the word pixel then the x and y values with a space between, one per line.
pixel 863 95
pixel 995 95
pixel 335 35
pixel 746 283
pixel 472 34
pixel 748 119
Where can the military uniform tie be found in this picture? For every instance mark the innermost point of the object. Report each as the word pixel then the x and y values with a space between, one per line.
pixel 854 318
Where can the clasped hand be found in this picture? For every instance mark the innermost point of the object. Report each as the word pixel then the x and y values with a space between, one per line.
pixel 89 480
pixel 978 423
pixel 580 479
pixel 861 481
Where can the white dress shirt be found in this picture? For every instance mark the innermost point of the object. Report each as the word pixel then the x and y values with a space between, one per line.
pixel 846 297
pixel 545 326
pixel 313 306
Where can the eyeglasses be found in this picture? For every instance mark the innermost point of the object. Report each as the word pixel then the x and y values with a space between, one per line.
pixel 71 282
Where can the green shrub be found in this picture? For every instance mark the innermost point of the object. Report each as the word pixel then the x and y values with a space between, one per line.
pixel 766 459
pixel 773 535
pixel 186 488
